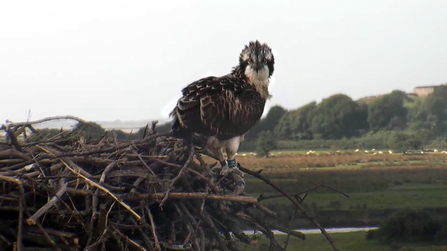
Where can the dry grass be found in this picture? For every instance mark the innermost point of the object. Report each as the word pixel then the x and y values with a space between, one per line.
pixel 350 173
pixel 292 161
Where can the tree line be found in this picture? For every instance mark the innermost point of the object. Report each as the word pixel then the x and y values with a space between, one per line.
pixel 408 121
pixel 338 116
pixel 404 121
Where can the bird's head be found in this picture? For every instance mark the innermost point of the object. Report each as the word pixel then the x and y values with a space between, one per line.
pixel 257 63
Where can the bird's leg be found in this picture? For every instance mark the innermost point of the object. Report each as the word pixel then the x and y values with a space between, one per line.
pixel 217 154
pixel 214 150
pixel 231 148
pixel 233 171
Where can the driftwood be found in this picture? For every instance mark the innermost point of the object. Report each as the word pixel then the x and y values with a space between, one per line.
pixel 152 193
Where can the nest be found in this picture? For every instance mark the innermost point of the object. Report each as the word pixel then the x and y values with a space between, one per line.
pixel 154 193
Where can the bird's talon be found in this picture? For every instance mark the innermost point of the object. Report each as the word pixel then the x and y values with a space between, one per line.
pixel 225 170
pixel 237 171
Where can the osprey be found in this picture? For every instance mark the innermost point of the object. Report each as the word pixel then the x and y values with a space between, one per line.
pixel 224 108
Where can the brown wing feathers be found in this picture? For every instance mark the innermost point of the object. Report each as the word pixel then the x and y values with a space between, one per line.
pixel 225 107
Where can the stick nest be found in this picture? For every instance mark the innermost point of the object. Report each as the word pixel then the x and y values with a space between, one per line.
pixel 66 192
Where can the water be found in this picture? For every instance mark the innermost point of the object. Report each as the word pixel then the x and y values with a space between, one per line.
pixel 329 230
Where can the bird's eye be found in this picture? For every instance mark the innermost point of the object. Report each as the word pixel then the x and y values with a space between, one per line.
pixel 250 61
pixel 264 61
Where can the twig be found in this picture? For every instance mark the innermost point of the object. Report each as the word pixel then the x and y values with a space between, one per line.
pixel 10 123
pixel 104 190
pixel 96 185
pixel 222 244
pixel 13 139
pixel 145 165
pixel 21 211
pixel 263 226
pixel 265 210
pixel 157 196
pixel 8 153
pixel 151 219
pixel 182 208
pixel 87 153
pixel 294 202
pixel 138 246
pixel 289 230
pixel 209 181
pixel 274 196
pixel 180 173
pixel 95 196
pixel 103 237
pixel 45 234
pixel 32 220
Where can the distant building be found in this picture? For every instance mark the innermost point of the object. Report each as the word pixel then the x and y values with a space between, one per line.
pixel 423 91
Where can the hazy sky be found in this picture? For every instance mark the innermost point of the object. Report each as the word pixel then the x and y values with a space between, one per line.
pixel 128 60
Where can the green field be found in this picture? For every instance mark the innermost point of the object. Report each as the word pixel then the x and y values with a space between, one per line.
pixel 372 182
pixel 354 241
pixel 407 195
pixel 377 185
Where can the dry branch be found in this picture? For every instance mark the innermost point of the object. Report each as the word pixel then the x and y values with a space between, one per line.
pixel 294 202
pixel 32 220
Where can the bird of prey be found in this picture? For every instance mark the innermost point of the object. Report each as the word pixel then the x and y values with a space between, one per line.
pixel 224 108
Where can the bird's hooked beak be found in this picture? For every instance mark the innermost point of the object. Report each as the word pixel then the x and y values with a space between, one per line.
pixel 257 65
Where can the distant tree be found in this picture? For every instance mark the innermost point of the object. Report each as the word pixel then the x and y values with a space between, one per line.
pixel 266 143
pixel 431 112
pixel 90 130
pixel 356 121
pixel 163 128
pixel 398 142
pixel 268 123
pixel 296 124
pixel 338 116
pixel 411 225
pixel 273 116
pixel 388 112
pixel 119 134
pixel 49 132
pixel 401 141
pixel 283 129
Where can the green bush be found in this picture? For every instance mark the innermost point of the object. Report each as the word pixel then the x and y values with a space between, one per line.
pixel 90 130
pixel 49 132
pixel 266 143
pixel 411 225
pixel 441 234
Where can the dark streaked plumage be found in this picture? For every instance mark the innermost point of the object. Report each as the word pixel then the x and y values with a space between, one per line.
pixel 225 108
